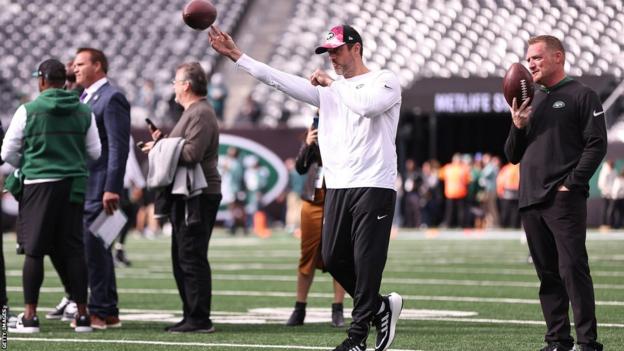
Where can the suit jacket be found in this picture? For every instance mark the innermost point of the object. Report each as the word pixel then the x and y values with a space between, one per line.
pixel 112 115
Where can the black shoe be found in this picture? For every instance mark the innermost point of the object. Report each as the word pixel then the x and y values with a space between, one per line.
pixel 191 328
pixel 385 321
pixel 121 258
pixel 82 324
pixel 298 315
pixel 557 346
pixel 337 315
pixel 25 326
pixel 11 318
pixel 169 327
pixel 350 345
pixel 57 313
pixel 592 347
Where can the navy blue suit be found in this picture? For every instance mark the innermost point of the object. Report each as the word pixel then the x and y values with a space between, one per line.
pixel 112 115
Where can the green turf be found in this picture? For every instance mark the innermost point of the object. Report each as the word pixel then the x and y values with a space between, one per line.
pixel 433 275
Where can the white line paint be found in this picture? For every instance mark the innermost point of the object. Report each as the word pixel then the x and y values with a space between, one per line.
pixel 169 343
pixel 164 274
pixel 511 321
pixel 290 294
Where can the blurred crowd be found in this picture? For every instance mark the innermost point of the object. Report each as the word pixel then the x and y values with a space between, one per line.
pixel 611 186
pixel 471 191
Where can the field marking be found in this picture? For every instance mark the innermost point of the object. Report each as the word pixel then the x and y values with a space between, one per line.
pixel 322 315
pixel 408 281
pixel 164 273
pixel 511 321
pixel 171 343
pixel 291 294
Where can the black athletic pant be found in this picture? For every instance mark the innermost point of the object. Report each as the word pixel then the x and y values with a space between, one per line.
pixel 556 232
pixel 51 224
pixel 3 291
pixel 356 234
pixel 189 256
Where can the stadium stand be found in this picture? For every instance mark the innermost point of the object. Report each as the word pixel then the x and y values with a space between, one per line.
pixel 143 39
pixel 414 38
pixel 473 38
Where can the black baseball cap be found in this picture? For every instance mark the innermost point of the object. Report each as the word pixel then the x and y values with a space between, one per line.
pixel 338 36
pixel 52 70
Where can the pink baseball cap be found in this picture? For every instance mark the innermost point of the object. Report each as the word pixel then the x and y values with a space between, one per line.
pixel 338 36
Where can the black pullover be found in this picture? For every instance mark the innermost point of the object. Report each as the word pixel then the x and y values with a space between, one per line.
pixel 563 143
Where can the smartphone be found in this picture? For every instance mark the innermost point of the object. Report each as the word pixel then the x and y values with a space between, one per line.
pixel 151 125
pixel 315 121
pixel 140 144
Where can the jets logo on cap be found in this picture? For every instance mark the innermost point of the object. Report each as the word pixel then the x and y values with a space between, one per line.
pixel 330 35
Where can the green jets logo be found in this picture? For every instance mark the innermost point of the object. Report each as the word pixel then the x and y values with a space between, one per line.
pixel 559 104
pixel 273 173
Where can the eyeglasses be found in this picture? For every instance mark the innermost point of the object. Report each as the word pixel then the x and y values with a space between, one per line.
pixel 174 81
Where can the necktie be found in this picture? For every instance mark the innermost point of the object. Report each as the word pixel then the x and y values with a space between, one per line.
pixel 83 96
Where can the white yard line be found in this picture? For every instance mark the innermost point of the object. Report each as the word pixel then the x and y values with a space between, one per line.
pixel 171 343
pixel 323 295
pixel 154 272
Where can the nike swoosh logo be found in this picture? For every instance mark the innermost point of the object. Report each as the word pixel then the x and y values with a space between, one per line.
pixel 381 217
pixel 598 114
pixel 386 86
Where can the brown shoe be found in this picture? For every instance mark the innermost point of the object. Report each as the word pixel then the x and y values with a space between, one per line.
pixel 97 322
pixel 113 322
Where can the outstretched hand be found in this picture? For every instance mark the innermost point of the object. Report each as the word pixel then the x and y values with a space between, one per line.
pixel 223 43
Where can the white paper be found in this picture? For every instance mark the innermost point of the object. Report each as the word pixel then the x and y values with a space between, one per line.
pixel 108 227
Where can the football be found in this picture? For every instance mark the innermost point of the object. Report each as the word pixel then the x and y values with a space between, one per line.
pixel 518 83
pixel 199 14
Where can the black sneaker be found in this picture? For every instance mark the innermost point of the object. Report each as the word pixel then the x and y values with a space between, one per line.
pixel 385 321
pixel 298 315
pixel 25 326
pixel 169 327
pixel 57 313
pixel 82 324
pixel 11 319
pixel 192 328
pixel 337 315
pixel 121 259
pixel 593 347
pixel 557 346
pixel 350 345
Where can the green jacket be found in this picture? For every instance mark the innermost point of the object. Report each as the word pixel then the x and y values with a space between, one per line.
pixel 54 139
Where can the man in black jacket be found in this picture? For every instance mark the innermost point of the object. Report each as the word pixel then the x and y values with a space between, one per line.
pixel 559 140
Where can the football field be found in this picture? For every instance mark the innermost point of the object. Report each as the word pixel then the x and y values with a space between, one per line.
pixel 463 290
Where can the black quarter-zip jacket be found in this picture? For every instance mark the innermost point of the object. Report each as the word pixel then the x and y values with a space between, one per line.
pixel 563 143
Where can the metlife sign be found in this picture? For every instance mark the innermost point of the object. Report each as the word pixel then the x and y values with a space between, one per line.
pixel 478 102
pixel 465 96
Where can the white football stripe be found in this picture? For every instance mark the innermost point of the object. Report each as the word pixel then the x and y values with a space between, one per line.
pixel 496 300
pixel 177 343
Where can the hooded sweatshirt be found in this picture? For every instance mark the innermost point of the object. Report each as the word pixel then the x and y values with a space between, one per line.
pixel 54 136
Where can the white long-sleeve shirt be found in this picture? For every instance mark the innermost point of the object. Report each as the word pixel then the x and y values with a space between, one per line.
pixel 357 125
pixel 13 143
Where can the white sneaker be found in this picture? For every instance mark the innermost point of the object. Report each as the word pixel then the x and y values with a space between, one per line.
pixel 25 326
pixel 70 312
pixel 57 313
pixel 385 321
